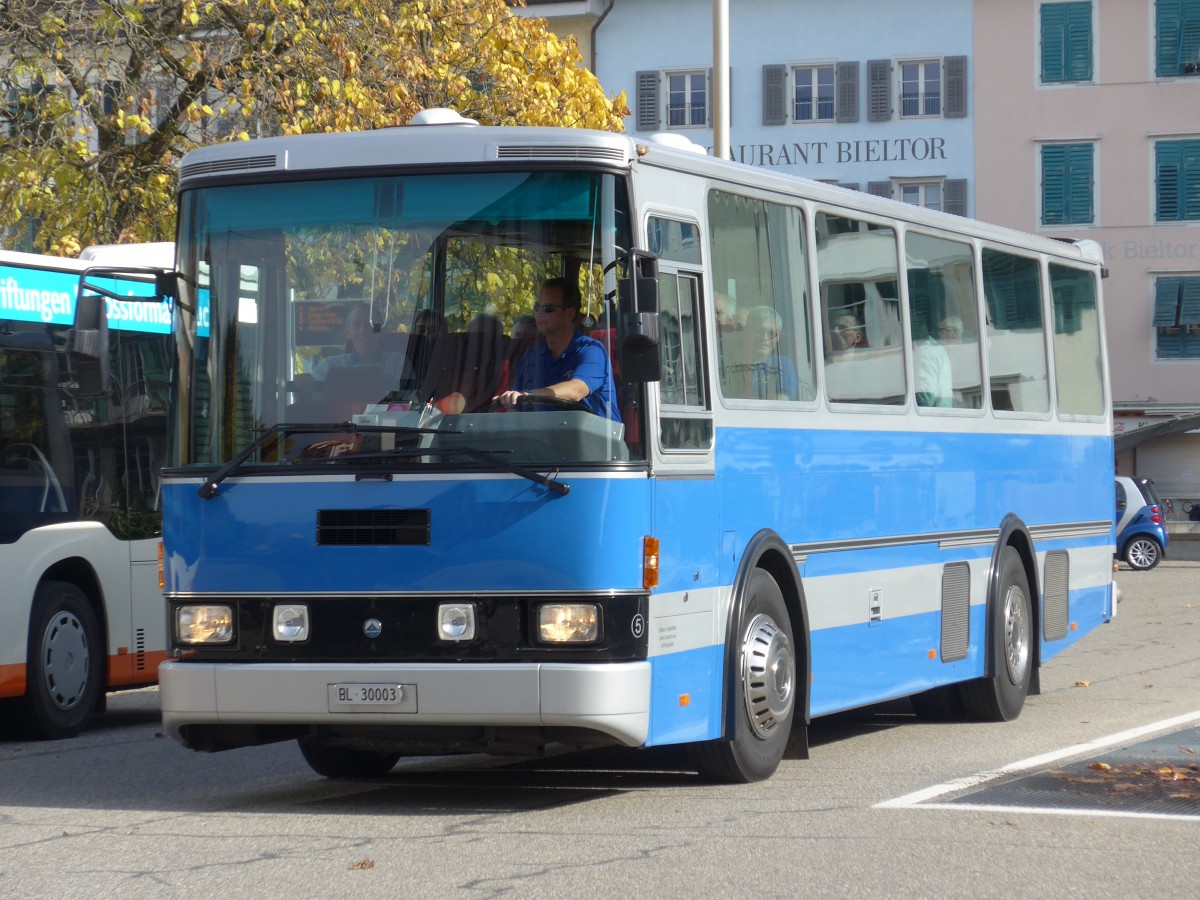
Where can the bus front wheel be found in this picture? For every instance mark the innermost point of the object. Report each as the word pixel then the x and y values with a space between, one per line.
pixel 765 692
pixel 1000 696
pixel 346 762
pixel 65 662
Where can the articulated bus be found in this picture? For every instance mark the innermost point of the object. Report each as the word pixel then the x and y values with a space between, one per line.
pixel 82 440
pixel 858 451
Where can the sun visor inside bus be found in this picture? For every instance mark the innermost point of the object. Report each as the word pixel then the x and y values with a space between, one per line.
pixel 87 344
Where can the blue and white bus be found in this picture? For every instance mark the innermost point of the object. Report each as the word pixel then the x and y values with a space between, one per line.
pixel 82 440
pixel 863 452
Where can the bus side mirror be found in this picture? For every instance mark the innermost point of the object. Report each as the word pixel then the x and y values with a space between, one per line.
pixel 637 297
pixel 87 344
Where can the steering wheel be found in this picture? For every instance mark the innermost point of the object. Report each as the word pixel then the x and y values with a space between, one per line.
pixel 527 401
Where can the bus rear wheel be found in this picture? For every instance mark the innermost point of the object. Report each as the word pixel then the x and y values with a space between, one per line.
pixel 765 692
pixel 65 663
pixel 1000 696
pixel 346 762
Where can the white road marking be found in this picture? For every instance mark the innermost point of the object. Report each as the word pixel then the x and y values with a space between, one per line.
pixel 921 797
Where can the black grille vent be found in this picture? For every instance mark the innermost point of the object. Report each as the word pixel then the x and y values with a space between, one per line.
pixel 372 527
pixel 216 166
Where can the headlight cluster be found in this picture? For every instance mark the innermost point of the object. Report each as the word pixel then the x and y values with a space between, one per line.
pixel 204 624
pixel 568 623
pixel 291 623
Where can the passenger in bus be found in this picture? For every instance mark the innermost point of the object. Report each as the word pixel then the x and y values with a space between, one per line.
pixel 363 348
pixel 726 312
pixel 773 374
pixel 847 334
pixel 565 363
pixel 935 386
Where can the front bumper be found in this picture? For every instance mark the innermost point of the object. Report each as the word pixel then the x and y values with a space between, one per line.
pixel 610 698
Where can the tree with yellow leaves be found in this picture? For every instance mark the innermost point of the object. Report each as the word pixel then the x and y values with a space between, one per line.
pixel 104 97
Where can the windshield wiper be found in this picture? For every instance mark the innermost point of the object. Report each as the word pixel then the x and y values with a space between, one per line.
pixel 208 490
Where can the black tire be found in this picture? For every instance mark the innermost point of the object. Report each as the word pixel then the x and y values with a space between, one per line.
pixel 64 665
pixel 765 690
pixel 999 697
pixel 1142 552
pixel 346 762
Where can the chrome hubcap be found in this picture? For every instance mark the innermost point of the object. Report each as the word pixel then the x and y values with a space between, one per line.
pixel 1142 554
pixel 1016 634
pixel 768 675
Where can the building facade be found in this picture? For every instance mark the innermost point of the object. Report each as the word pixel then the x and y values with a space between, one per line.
pixel 1072 119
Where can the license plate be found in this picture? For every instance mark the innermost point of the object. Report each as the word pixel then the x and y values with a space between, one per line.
pixel 373 697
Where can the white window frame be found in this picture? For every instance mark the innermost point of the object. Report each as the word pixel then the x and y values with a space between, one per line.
pixel 900 185
pixel 811 70
pixel 689 105
pixel 924 83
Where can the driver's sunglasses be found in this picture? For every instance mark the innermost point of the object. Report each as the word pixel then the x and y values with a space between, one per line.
pixel 546 307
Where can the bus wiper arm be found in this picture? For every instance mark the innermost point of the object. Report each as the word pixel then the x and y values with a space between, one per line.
pixel 208 490
pixel 547 481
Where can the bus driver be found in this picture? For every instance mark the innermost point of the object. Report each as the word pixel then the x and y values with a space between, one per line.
pixel 565 364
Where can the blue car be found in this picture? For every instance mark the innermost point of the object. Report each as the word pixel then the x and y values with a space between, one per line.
pixel 1141 529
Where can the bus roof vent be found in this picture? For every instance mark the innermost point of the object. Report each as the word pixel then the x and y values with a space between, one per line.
pixel 571 152
pixel 219 166
pixel 440 116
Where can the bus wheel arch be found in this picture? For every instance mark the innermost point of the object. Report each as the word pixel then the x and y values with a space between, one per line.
pixel 1012 625
pixel 767 668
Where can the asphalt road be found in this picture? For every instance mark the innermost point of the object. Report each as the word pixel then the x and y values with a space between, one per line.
pixel 885 807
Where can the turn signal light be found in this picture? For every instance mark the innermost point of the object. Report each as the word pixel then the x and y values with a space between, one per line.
pixel 649 562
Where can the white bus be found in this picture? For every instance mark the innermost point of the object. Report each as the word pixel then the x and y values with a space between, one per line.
pixel 860 451
pixel 81 445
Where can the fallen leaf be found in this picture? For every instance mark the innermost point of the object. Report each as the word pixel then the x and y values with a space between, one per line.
pixel 1103 767
pixel 363 864
pixel 1083 684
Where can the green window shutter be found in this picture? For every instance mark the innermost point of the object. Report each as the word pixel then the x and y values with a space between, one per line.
pixel 1177 180
pixel 1054 30
pixel 1079 183
pixel 1166 301
pixel 1054 181
pixel 1177 37
pixel 1189 301
pixel 1066 42
pixel 1079 42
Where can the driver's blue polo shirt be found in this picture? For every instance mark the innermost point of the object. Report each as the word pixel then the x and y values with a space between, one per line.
pixel 586 359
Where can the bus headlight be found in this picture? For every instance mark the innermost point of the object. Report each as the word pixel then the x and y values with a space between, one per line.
pixel 204 624
pixel 568 623
pixel 291 622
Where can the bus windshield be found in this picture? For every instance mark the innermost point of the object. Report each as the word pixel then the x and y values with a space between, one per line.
pixel 394 309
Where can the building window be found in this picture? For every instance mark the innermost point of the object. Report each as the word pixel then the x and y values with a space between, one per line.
pixel 921 193
pixel 812 93
pixel 1177 180
pixel 687 99
pixel 921 88
pixel 1066 42
pixel 1177 32
pixel 1177 316
pixel 1067 184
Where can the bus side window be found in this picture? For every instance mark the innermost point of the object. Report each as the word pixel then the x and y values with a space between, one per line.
pixel 858 271
pixel 1016 333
